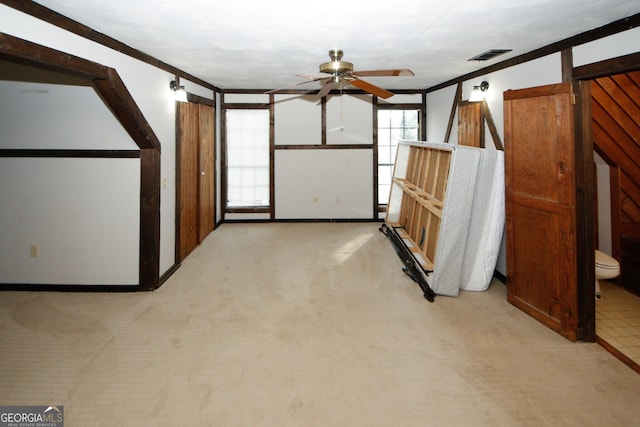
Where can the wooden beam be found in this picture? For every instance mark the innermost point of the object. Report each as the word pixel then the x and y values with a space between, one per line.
pixel 457 98
pixel 486 113
pixel 621 64
pixel 24 52
pixel 149 266
pixel 115 94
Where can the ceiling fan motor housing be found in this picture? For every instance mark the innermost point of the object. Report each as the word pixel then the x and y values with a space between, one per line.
pixel 336 66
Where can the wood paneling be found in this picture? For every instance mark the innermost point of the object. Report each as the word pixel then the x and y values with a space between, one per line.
pixel 470 124
pixel 540 189
pixel 616 134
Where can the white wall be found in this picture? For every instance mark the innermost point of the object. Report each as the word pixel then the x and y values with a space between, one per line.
pixel 149 86
pixel 77 212
pixel 542 71
pixel 324 184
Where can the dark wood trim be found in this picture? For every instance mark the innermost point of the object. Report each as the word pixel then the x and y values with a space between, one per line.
pixel 167 274
pixel 375 108
pixel 272 158
pixel 315 91
pixel 621 64
pixel 299 220
pixel 454 108
pixel 501 277
pixel 586 37
pixel 412 106
pixel 423 117
pixel 223 156
pixel 24 52
pixel 43 287
pixel 323 146
pixel 247 106
pixel 566 64
pixel 585 212
pixel 178 181
pixel 114 93
pixel 61 21
pixel 149 219
pixel 84 154
pixel 196 99
pixel 249 209
pixel 488 117
pixel 323 121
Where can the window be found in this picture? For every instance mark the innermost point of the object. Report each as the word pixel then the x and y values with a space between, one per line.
pixel 393 125
pixel 247 139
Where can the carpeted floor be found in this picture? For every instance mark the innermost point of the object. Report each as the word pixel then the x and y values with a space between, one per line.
pixel 302 324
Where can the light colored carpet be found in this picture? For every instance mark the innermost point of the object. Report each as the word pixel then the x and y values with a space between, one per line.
pixel 310 324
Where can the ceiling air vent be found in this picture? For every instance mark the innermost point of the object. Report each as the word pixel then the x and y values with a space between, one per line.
pixel 491 53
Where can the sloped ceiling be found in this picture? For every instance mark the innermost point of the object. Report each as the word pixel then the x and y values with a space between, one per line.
pixel 257 44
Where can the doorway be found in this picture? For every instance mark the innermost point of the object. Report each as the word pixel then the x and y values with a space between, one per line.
pixel 616 134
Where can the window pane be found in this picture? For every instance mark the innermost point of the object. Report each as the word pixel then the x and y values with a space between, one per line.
pixel 393 125
pixel 247 158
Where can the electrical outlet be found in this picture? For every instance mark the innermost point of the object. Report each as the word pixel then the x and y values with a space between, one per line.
pixel 35 251
pixel 315 199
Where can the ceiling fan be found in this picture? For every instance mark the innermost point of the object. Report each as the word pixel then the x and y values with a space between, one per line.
pixel 336 74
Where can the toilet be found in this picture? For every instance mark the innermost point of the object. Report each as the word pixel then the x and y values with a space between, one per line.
pixel 606 268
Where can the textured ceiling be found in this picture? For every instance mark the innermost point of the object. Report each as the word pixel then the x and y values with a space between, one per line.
pixel 259 44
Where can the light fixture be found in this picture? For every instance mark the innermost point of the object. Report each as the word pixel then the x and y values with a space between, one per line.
pixel 180 92
pixel 477 94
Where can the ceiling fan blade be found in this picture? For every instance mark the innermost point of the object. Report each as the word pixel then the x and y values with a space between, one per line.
pixel 314 77
pixel 289 87
pixel 382 73
pixel 372 89
pixel 327 88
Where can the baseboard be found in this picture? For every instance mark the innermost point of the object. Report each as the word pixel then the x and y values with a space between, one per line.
pixel 500 276
pixel 42 287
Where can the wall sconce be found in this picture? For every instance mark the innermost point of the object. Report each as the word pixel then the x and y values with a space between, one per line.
pixel 477 94
pixel 180 92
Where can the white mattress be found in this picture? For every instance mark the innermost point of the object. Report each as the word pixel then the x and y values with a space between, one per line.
pixel 447 272
pixel 487 223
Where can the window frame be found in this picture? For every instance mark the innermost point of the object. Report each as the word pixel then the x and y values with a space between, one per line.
pixel 269 208
pixel 382 207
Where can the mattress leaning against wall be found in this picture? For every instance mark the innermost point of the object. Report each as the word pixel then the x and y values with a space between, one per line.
pixel 447 274
pixel 443 192
pixel 487 222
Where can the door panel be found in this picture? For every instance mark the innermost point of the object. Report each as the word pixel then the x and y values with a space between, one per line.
pixel 540 205
pixel 189 176
pixel 207 209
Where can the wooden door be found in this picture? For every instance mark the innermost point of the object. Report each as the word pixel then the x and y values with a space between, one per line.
pixel 470 124
pixel 189 178
pixel 197 184
pixel 542 267
pixel 206 160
